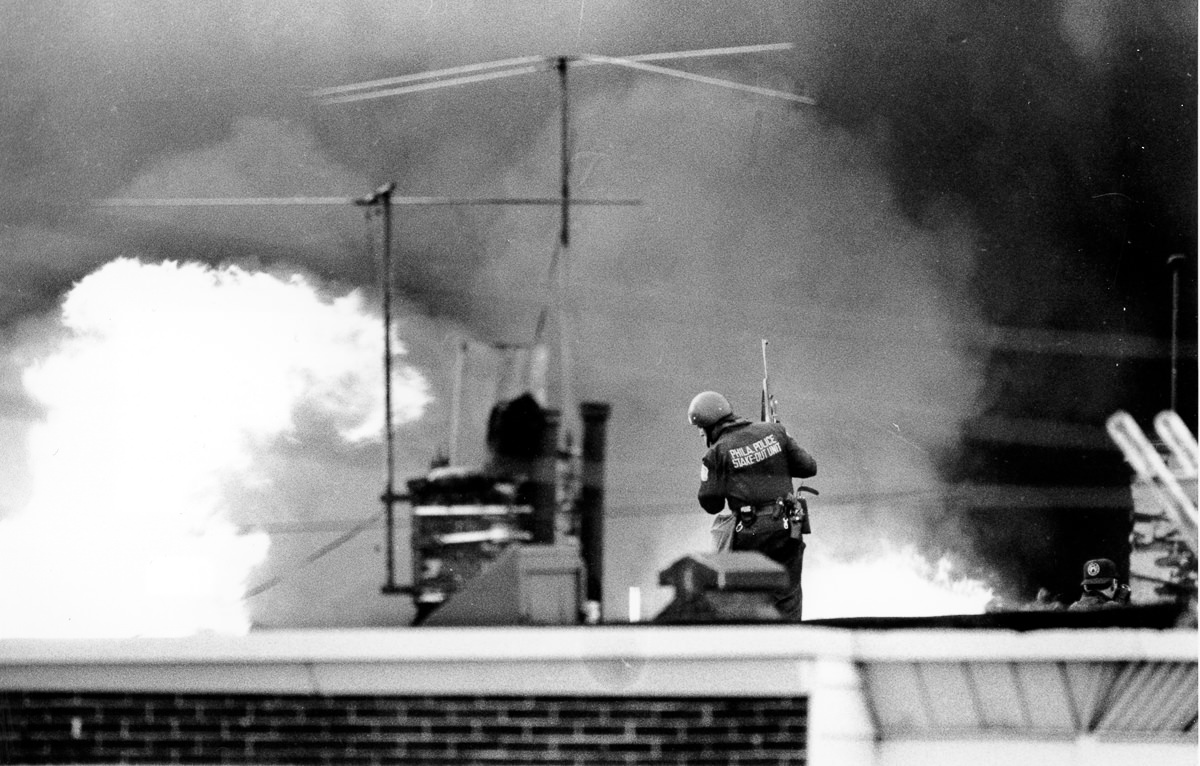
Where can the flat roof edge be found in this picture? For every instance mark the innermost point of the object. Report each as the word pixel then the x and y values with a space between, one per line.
pixel 649 642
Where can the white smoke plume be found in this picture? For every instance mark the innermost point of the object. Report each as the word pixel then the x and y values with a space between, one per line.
pixel 165 385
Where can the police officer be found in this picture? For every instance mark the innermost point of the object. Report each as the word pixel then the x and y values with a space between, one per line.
pixel 1100 587
pixel 749 466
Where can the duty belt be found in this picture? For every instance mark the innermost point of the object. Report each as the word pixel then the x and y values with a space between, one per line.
pixel 757 509
pixel 747 514
pixel 790 513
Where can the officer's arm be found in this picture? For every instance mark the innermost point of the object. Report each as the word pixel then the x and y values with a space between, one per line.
pixel 712 486
pixel 800 463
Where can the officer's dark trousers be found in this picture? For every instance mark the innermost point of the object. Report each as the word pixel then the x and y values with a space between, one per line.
pixel 780 546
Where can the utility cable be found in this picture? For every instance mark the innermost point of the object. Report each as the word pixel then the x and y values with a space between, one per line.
pixel 316 555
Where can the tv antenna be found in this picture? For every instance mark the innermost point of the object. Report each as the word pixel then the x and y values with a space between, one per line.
pixel 384 199
pixel 504 68
pixel 512 67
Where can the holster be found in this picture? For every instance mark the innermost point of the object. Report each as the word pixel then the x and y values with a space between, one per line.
pixel 796 509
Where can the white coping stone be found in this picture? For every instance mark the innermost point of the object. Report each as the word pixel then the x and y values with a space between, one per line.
pixel 738 660
pixel 648 641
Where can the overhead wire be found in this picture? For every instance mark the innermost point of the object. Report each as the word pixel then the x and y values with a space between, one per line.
pixel 300 527
pixel 316 555
pixel 853 327
pixel 395 201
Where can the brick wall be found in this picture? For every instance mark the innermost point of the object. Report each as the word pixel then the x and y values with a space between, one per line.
pixel 65 727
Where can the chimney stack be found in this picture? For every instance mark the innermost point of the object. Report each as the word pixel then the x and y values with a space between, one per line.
pixel 545 481
pixel 591 501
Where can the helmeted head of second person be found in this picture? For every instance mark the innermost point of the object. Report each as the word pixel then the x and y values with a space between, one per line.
pixel 709 408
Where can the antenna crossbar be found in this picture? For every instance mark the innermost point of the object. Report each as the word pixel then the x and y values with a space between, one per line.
pixel 471 73
pixel 431 75
pixel 522 61
pixel 463 80
pixel 730 84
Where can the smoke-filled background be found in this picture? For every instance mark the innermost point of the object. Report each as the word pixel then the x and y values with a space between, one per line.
pixel 959 257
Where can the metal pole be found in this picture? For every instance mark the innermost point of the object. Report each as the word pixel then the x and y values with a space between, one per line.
pixel 385 202
pixel 460 363
pixel 564 235
pixel 382 198
pixel 1174 262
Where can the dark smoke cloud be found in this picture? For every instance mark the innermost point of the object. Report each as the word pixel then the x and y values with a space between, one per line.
pixel 977 186
pixel 1066 131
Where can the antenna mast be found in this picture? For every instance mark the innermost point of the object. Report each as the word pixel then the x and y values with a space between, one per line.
pixel 381 200
pixel 564 234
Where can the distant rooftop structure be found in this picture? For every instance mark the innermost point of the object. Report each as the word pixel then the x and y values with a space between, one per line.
pixel 1163 542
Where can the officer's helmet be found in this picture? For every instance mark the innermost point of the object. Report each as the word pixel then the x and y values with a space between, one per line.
pixel 707 408
pixel 1099 574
